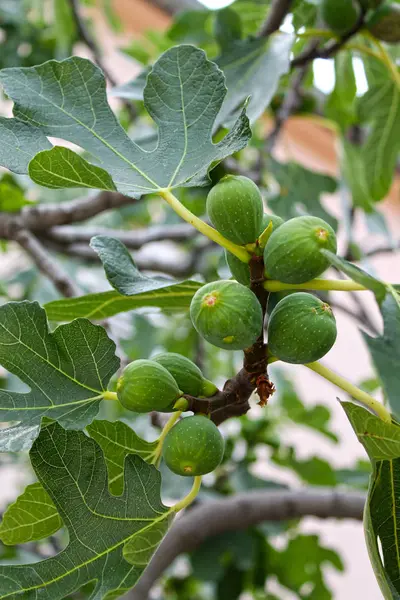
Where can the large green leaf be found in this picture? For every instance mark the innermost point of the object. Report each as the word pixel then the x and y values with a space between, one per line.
pixel 66 370
pixel 32 516
pixel 385 349
pixel 183 94
pixel 253 68
pixel 117 440
pixel 381 107
pixel 382 513
pixel 300 192
pixel 111 538
pixel 175 297
pixel 121 270
pixel 19 144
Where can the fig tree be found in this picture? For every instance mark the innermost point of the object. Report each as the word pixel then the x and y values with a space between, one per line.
pixel 235 208
pixel 301 329
pixel 241 270
pixel 186 374
pixel 340 15
pixel 227 314
pixel 146 385
pixel 292 253
pixel 194 446
pixel 384 23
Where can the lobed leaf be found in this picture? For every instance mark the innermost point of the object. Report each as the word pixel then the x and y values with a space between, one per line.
pixel 32 516
pixel 117 440
pixel 183 94
pixel 66 370
pixel 381 106
pixel 382 512
pixel 19 144
pixel 108 541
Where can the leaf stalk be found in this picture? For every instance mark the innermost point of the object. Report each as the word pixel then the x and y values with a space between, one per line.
pixel 190 497
pixel 339 285
pixel 203 227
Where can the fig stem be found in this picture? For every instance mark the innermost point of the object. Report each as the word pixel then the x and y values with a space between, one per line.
pixel 212 234
pixel 339 285
pixel 362 397
pixel 167 427
pixel 190 497
pixel 342 383
pixel 109 395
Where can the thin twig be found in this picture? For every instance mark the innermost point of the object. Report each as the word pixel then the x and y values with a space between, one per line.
pixel 290 104
pixel 134 239
pixel 45 263
pixel 329 49
pixel 87 38
pixel 240 512
pixel 277 13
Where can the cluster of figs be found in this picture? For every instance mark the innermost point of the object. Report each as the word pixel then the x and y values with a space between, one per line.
pixel 227 313
pixel 381 18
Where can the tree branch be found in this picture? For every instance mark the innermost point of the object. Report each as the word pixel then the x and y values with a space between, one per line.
pixel 46 263
pixel 278 11
pixel 240 512
pixel 87 38
pixel 134 240
pixel 290 104
pixel 42 216
pixel 329 49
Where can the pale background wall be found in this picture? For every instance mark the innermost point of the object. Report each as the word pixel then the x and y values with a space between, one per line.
pixel 314 146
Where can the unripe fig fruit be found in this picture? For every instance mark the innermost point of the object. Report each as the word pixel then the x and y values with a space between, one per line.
pixel 241 270
pixel 384 23
pixel 145 386
pixel 292 254
pixel 186 374
pixel 301 329
pixel 194 446
pixel 227 314
pixel 340 15
pixel 235 209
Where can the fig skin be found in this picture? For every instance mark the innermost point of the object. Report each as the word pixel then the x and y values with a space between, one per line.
pixel 384 23
pixel 194 446
pixel 145 386
pixel 292 253
pixel 235 208
pixel 340 16
pixel 301 329
pixel 227 314
pixel 187 375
